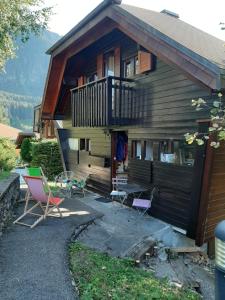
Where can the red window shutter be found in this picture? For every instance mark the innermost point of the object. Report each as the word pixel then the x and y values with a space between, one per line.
pixel 81 80
pixel 117 61
pixel 145 61
pixel 100 65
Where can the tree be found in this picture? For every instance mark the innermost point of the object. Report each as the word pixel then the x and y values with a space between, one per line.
pixel 20 18
pixel 7 155
pixel 216 131
pixel 26 149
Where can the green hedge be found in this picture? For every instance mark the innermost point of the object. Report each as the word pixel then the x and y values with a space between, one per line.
pixel 46 154
pixel 26 149
pixel 7 155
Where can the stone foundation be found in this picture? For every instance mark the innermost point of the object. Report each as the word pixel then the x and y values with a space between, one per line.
pixel 9 195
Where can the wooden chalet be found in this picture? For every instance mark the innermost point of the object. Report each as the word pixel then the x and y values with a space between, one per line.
pixel 122 81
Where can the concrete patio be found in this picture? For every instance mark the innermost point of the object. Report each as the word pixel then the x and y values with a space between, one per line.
pixel 34 262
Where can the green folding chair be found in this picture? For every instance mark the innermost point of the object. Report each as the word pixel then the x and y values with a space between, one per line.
pixel 35 172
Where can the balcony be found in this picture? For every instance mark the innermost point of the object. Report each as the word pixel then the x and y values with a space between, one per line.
pixel 105 102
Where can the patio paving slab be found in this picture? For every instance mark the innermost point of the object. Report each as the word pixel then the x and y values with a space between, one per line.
pixel 34 262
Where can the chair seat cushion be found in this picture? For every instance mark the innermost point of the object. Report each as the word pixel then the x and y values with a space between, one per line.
pixel 55 200
pixel 142 203
pixel 118 193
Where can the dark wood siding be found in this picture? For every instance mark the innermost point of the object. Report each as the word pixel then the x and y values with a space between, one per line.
pixel 140 171
pixel 166 102
pixel 174 183
pixel 216 201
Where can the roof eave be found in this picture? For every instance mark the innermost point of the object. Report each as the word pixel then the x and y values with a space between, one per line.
pixel 81 24
pixel 213 67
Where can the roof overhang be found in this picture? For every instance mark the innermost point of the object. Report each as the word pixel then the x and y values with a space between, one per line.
pixel 102 21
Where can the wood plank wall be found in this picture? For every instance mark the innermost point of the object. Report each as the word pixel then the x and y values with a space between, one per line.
pixel 166 96
pixel 173 202
pixel 216 201
pixel 97 165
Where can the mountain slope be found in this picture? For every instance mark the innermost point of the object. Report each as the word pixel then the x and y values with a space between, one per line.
pixel 22 83
pixel 25 75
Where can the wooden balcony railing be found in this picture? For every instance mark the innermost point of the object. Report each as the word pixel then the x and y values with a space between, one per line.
pixel 105 102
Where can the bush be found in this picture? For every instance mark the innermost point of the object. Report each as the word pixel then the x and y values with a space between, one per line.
pixel 46 154
pixel 7 155
pixel 26 150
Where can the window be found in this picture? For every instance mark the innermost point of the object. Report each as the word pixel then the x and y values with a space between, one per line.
pixel 148 150
pixel 73 144
pixel 174 152
pixel 82 144
pixel 88 145
pixel 131 66
pixel 92 77
pixel 85 145
pixel 136 149
pixel 177 152
pixel 109 64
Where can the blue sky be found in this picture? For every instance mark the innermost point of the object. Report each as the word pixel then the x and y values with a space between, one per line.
pixel 205 15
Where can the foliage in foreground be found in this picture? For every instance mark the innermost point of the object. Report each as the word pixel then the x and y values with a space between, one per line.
pixel 25 152
pixel 19 18
pixel 4 175
pixel 99 276
pixel 46 154
pixel 216 130
pixel 7 155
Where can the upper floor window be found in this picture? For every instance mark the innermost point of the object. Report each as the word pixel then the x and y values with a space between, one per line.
pixel 92 77
pixel 109 61
pixel 131 66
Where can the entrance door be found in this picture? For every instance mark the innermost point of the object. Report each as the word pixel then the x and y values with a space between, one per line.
pixel 119 153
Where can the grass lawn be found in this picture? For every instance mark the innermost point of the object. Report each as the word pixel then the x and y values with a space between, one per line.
pixel 99 276
pixel 4 175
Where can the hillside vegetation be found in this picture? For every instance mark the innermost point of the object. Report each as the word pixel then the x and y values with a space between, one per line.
pixel 17 110
pixel 22 83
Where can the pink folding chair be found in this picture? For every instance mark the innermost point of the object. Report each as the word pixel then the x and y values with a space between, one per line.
pixel 143 205
pixel 39 191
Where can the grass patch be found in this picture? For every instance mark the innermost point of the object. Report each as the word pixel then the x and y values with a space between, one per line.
pixel 99 276
pixel 4 175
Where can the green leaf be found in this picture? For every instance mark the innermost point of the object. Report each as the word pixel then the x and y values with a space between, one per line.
pixel 216 104
pixel 221 135
pixel 199 142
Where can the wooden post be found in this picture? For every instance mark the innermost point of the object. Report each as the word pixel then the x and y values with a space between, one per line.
pixel 196 190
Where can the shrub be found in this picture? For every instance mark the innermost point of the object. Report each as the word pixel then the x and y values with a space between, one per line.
pixel 26 150
pixel 7 155
pixel 46 154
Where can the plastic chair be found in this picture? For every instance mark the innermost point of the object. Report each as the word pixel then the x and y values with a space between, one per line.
pixel 41 194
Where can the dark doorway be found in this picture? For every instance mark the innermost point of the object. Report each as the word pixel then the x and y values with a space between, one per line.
pixel 119 153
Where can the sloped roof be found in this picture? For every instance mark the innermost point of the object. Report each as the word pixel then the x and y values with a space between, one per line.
pixel 8 132
pixel 188 36
pixel 193 51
